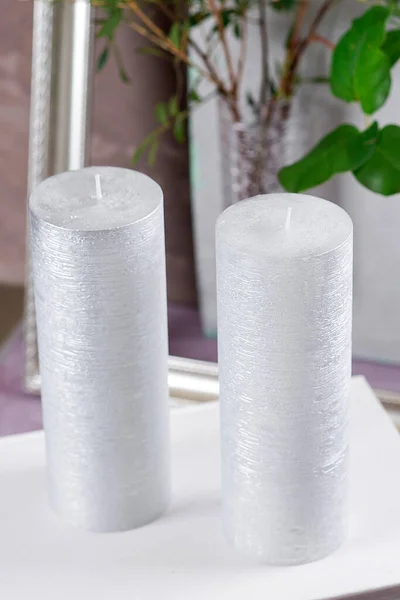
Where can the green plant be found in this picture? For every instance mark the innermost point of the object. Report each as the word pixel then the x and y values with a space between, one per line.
pixel 212 58
pixel 175 42
pixel 360 72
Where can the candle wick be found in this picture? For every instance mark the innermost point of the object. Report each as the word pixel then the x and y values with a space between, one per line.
pixel 288 215
pixel 97 180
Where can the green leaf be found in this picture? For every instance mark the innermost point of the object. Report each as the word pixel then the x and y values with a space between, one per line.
pixel 283 4
pixel 152 51
pixel 213 31
pixel 102 60
pixel 193 96
pixel 179 127
pixel 124 75
pixel 236 30
pixel 140 149
pixel 173 107
pixel 381 173
pixel 344 149
pixel 391 46
pixel 272 87
pixel 109 26
pixel 162 113
pixel 110 4
pixel 251 101
pixel 179 132
pixel 197 18
pixel 175 34
pixel 226 16
pixel 374 21
pixel 372 80
pixel 360 70
pixel 153 152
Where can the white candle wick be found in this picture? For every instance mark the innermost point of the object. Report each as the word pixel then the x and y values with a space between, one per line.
pixel 97 180
pixel 288 215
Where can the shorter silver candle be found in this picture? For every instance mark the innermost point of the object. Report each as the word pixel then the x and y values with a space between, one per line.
pixel 98 257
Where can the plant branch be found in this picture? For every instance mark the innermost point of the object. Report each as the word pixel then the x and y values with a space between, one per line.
pixel 322 40
pixel 151 26
pixel 157 32
pixel 243 51
pixel 153 136
pixel 157 36
pixel 301 12
pixel 161 43
pixel 162 5
pixel 209 65
pixel 264 52
pixel 287 81
pixel 326 6
pixel 217 14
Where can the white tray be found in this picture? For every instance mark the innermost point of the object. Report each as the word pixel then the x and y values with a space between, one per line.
pixel 183 556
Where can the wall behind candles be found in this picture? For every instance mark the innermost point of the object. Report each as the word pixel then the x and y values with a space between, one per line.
pixel 15 76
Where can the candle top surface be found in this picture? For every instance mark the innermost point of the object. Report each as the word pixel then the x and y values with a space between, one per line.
pixel 284 226
pixel 95 198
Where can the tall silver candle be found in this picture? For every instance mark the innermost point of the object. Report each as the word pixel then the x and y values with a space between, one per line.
pixel 98 257
pixel 284 275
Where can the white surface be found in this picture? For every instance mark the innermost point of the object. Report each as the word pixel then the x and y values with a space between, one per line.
pixel 184 555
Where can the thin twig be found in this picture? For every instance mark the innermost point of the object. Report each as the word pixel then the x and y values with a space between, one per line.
pixel 158 37
pixel 209 65
pixel 217 14
pixel 149 36
pixel 243 50
pixel 167 48
pixel 287 83
pixel 183 116
pixel 264 52
pixel 152 27
pixel 163 7
pixel 180 81
pixel 322 40
pixel 327 5
pixel 301 12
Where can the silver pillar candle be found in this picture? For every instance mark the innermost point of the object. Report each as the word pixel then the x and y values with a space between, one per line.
pixel 284 282
pixel 98 258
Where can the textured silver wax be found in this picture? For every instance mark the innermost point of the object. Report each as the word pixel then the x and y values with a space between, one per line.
pixel 284 281
pixel 98 257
